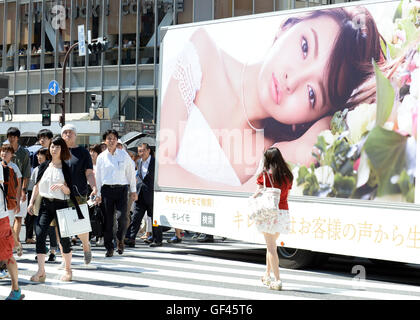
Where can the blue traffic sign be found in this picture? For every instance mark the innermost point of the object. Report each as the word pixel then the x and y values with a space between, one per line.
pixel 53 87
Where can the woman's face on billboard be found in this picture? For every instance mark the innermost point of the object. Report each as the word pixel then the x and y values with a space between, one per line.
pixel 292 85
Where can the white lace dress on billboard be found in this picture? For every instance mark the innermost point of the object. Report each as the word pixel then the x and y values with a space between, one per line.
pixel 199 151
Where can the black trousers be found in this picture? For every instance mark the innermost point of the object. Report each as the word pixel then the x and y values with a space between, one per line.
pixel 140 207
pixel 114 199
pixel 29 222
pixel 47 213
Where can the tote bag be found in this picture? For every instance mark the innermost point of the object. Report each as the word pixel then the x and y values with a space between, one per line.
pixel 265 205
pixel 69 222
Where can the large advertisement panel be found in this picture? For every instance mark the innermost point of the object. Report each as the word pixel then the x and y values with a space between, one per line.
pixel 337 90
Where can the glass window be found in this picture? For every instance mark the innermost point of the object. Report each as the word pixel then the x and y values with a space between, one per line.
pixel 36 21
pixel 50 42
pixel 262 6
pixel 77 103
pixel 128 31
pixel 147 29
pixel 78 17
pixel 1 34
pixel 10 36
pixel 185 11
pixel 111 101
pixel 222 9
pixel 34 102
pixel 20 104
pixel 111 27
pixel 128 104
pixel 23 36
pixel 243 7
pixel 145 109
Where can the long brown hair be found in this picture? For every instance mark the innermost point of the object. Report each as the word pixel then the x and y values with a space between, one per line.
pixel 350 64
pixel 273 160
pixel 349 72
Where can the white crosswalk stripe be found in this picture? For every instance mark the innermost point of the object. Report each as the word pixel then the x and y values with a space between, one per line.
pixel 144 274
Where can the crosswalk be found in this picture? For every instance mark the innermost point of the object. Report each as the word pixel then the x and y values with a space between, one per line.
pixel 163 273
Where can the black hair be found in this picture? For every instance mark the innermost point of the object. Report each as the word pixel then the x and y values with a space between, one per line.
pixel 108 132
pixel 43 151
pixel 65 152
pixel 13 131
pixel 274 160
pixel 44 133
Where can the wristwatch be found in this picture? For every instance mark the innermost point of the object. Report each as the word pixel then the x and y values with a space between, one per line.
pixel 25 190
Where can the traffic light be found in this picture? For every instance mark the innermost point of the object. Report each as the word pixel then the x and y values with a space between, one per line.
pixel 46 116
pixel 99 46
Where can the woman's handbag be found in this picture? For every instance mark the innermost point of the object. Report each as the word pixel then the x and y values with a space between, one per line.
pixel 69 222
pixel 37 204
pixel 265 205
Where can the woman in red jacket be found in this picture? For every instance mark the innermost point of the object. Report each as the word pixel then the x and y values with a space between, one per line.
pixel 276 171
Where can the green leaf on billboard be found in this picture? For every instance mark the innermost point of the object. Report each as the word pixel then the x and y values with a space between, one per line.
pixel 384 96
pixel 386 152
pixel 344 185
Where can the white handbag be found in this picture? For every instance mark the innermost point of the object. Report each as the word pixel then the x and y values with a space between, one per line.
pixel 265 205
pixel 69 222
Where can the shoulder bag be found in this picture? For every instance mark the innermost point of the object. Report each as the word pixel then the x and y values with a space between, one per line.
pixel 265 205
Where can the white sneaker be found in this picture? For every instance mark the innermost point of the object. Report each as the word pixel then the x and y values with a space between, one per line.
pixel 100 242
pixel 266 280
pixel 276 285
pixel 4 274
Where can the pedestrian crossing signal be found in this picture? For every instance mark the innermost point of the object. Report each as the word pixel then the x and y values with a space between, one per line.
pixel 46 116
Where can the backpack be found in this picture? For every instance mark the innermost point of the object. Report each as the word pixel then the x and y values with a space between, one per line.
pixel 9 187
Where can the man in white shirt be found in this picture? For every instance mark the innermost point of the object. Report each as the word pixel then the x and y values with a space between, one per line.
pixel 115 173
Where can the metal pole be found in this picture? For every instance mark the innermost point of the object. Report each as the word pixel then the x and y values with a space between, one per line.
pixel 63 89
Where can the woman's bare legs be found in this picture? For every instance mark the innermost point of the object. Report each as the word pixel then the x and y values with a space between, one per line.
pixel 272 256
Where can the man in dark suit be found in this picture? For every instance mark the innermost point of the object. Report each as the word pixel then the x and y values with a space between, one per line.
pixel 145 178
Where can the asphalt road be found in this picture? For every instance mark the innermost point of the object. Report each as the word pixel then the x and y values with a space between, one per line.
pixel 223 270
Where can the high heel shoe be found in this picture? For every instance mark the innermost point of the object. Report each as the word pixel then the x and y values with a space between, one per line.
pixel 37 278
pixel 67 276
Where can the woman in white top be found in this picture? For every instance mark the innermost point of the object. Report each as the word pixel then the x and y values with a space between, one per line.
pixel 52 185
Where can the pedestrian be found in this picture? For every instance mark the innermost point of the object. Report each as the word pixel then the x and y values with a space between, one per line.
pixel 21 158
pixel 115 173
pixel 81 168
pixel 53 184
pixel 274 169
pixel 145 177
pixel 7 242
pixel 94 152
pixel 6 155
pixel 42 156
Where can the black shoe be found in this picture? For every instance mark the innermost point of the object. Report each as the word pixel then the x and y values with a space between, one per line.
pixel 130 242
pixel 149 240
pixel 109 253
pixel 206 238
pixel 51 258
pixel 120 246
pixel 155 244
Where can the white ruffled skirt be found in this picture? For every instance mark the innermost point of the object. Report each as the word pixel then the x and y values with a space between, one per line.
pixel 279 223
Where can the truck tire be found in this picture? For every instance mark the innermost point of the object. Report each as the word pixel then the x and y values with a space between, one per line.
pixel 291 258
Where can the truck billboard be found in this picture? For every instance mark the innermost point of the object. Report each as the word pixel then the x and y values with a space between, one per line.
pixel 335 88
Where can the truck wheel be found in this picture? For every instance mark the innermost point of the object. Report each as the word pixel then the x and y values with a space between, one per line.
pixel 291 258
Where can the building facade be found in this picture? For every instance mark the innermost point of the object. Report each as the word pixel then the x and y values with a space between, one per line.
pixel 36 34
